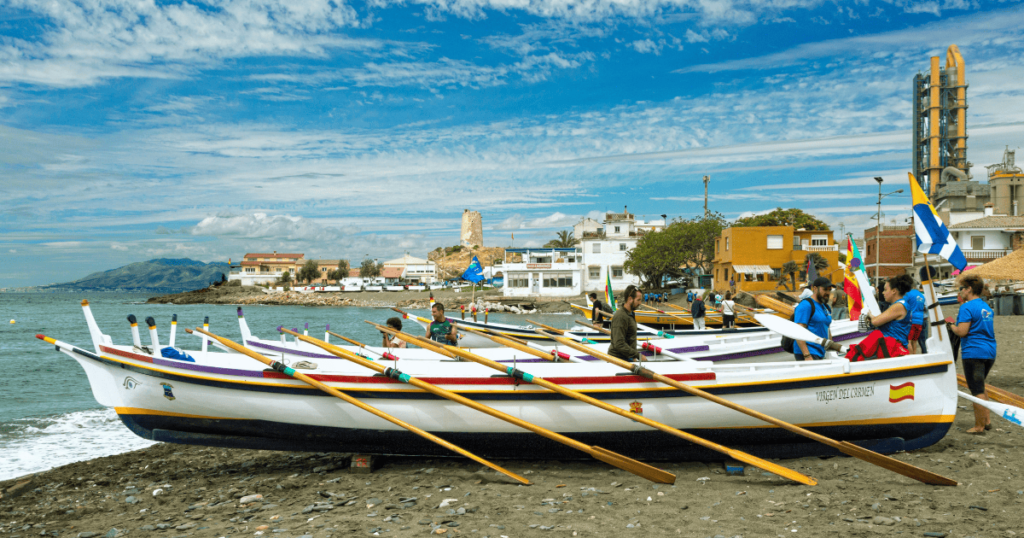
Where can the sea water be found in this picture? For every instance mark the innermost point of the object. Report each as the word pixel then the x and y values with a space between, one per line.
pixel 48 416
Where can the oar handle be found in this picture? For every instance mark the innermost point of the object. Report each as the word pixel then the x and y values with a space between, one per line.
pixel 639 370
pixel 513 344
pixel 595 327
pixel 368 408
pixel 548 327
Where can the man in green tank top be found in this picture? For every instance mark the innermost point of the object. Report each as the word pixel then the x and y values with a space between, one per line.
pixel 441 329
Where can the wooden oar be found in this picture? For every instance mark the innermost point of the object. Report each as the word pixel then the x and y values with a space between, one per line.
pixel 595 327
pixel 560 354
pixel 611 458
pixel 385 355
pixel 786 327
pixel 560 331
pixel 1009 412
pixel 508 342
pixel 676 316
pixel 845 447
pixel 279 367
pixel 995 393
pixel 519 374
pixel 394 373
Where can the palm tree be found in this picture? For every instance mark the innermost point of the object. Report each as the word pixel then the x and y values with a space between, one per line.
pixel 565 240
pixel 789 269
pixel 819 261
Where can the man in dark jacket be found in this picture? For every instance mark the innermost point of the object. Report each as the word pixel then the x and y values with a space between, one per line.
pixel 624 327
pixel 598 314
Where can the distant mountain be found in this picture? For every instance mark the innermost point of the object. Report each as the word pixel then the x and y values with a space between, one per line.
pixel 160 275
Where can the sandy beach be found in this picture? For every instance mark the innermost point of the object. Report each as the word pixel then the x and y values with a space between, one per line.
pixel 181 491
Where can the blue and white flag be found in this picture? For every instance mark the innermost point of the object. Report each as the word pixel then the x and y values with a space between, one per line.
pixel 932 235
pixel 474 273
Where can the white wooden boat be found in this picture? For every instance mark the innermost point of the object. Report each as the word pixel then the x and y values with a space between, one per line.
pixel 230 400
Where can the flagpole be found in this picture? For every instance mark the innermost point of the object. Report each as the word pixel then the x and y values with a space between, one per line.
pixel 931 288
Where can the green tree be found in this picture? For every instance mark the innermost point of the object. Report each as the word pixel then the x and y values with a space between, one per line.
pixel 697 238
pixel 285 277
pixel 340 273
pixel 564 240
pixel 368 269
pixel 310 271
pixel 681 243
pixel 656 254
pixel 788 273
pixel 784 217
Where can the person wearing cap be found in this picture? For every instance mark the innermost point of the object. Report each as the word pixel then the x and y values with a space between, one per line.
pixel 805 291
pixel 814 314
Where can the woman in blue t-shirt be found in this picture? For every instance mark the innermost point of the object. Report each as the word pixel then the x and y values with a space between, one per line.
pixel 895 321
pixel 975 327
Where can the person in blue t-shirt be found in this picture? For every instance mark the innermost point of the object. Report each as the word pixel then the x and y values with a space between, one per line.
pixel 895 321
pixel 915 300
pixel 975 327
pixel 815 315
pixel 689 297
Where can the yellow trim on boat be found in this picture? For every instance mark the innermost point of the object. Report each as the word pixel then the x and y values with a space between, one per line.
pixel 141 411
pixel 933 419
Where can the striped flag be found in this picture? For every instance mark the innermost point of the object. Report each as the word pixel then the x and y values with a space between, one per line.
pixel 850 286
pixel 609 295
pixel 932 235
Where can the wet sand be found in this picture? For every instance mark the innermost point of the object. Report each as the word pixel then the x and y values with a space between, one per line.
pixel 316 495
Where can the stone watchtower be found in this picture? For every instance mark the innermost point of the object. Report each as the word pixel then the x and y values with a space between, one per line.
pixel 472 229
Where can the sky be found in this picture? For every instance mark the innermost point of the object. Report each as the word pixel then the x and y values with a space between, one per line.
pixel 134 129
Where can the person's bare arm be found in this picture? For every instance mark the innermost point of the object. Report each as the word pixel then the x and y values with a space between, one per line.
pixel 453 335
pixel 961 329
pixel 896 311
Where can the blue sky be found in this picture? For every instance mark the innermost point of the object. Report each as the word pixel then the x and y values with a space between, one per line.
pixel 131 130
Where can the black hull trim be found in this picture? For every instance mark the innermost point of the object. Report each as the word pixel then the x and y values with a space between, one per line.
pixel 646 445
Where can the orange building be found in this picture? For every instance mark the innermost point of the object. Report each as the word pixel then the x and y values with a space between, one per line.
pixel 754 255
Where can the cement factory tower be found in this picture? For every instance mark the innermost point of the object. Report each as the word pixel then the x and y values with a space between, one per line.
pixel 940 123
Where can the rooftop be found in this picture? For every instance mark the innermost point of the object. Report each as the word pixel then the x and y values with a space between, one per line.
pixel 993 222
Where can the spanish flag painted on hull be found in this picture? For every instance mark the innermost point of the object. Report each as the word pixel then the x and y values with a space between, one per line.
pixel 898 393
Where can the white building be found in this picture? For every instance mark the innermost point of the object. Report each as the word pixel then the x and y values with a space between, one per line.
pixel 551 272
pixel 415 270
pixel 988 238
pixel 605 248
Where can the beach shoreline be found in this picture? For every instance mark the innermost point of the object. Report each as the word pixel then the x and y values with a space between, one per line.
pixel 251 295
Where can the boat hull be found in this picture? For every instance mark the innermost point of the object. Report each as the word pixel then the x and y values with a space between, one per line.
pixel 221 400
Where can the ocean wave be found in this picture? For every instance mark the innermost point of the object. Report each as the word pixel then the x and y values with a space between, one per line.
pixel 36 444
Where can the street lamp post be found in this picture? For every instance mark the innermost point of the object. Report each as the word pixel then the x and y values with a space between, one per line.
pixel 878 227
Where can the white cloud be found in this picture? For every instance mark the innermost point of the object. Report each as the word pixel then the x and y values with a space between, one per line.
pixel 694 37
pixel 970 30
pixel 645 46
pixel 707 11
pixel 83 43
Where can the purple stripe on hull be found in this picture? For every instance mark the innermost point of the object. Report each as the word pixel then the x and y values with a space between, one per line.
pixel 181 365
pixel 290 351
pixel 771 350
pixel 300 353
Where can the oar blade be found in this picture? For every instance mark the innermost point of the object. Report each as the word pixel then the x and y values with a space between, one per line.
pixel 786 328
pixel 633 466
pixel 772 468
pixel 894 465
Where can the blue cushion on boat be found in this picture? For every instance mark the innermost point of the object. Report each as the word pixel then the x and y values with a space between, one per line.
pixel 171 353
